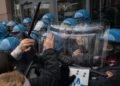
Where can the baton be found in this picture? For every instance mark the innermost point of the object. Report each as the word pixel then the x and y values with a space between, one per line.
pixel 31 28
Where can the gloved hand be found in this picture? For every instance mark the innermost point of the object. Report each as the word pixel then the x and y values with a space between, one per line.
pixel 65 59
pixel 65 78
pixel 71 79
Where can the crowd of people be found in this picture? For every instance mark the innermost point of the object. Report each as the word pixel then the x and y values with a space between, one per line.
pixel 52 47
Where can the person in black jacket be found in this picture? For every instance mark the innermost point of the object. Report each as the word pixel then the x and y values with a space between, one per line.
pixel 50 74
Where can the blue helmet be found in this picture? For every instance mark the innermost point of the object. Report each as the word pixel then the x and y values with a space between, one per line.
pixel 9 44
pixel 40 25
pixel 58 40
pixel 46 21
pixel 27 21
pixel 11 23
pixel 112 35
pixel 35 35
pixel 82 15
pixel 70 21
pixel 49 17
pixel 3 32
pixel 19 28
pixel 1 40
pixel 4 23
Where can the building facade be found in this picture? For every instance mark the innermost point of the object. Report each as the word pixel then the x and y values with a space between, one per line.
pixel 28 7
pixel 6 10
pixel 60 8
pixel 19 9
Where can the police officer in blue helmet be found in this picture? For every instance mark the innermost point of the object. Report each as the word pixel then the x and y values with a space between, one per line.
pixel 49 17
pixel 112 61
pixel 9 44
pixel 10 25
pixel 70 22
pixel 82 16
pixel 27 23
pixel 67 23
pixel 17 29
pixel 4 23
pixel 42 26
pixel 113 46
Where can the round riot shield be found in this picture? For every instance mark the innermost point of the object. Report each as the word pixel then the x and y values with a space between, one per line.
pixel 83 42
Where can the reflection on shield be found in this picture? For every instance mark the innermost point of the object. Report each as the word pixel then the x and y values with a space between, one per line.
pixel 83 42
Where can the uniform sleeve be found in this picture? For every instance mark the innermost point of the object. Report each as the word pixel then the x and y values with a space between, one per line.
pixel 50 75
pixel 83 60
pixel 103 81
pixel 65 59
pixel 86 60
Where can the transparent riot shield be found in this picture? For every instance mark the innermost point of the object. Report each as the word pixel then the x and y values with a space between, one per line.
pixel 85 46
pixel 53 23
pixel 83 42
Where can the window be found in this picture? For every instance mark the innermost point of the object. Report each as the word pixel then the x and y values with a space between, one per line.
pixel 67 8
pixel 107 9
pixel 44 8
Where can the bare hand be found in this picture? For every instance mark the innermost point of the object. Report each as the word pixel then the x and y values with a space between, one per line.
pixel 49 41
pixel 76 52
pixel 25 44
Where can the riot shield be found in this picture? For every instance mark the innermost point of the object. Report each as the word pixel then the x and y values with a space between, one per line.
pixel 83 43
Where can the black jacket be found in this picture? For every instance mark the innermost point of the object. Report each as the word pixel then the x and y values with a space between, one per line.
pixel 103 81
pixel 112 81
pixel 50 74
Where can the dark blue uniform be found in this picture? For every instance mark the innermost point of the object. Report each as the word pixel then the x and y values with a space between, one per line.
pixel 114 80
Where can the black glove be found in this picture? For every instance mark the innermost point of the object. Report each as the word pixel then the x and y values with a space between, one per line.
pixel 65 78
pixel 65 59
pixel 71 79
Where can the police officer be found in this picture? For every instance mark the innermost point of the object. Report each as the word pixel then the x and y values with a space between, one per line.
pixel 10 25
pixel 70 23
pixel 49 17
pixel 111 61
pixel 42 26
pixel 4 23
pixel 27 23
pixel 9 44
pixel 82 16
pixel 17 29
